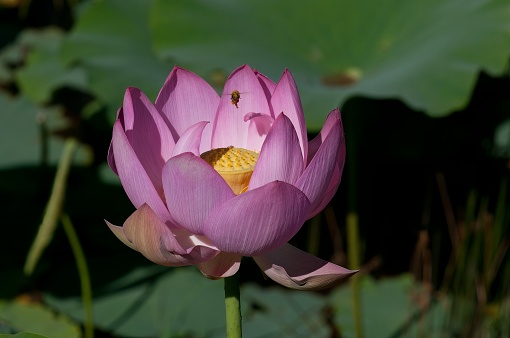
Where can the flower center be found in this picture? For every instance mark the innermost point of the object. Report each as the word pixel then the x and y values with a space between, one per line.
pixel 235 165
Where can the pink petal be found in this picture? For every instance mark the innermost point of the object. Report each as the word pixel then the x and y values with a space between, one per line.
pixel 280 158
pixel 229 128
pixel 223 265
pixel 154 239
pixel 258 220
pixel 316 178
pixel 119 233
pixel 299 270
pixel 260 125
pixel 186 99
pixel 314 145
pixel 192 189
pixel 330 191
pixel 137 184
pixel 286 99
pixel 147 133
pixel 267 85
pixel 190 140
pixel 111 157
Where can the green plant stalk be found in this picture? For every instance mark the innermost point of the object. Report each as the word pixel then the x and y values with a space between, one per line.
pixel 354 253
pixel 233 307
pixel 353 141
pixel 53 208
pixel 83 272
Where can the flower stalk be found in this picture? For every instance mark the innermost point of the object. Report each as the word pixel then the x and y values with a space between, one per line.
pixel 354 254
pixel 233 307
pixel 83 272
pixel 53 208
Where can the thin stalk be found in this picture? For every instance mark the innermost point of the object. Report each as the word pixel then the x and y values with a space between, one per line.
pixel 354 253
pixel 233 307
pixel 53 208
pixel 83 272
pixel 353 163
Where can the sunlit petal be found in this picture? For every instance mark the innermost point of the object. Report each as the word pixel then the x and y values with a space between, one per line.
pixel 223 265
pixel 286 100
pixel 280 158
pixel 229 128
pixel 186 99
pixel 259 220
pixel 134 179
pixel 193 189
pixel 299 270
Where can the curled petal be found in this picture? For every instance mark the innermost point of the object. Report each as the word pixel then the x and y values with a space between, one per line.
pixel 119 233
pixel 316 178
pixel 280 158
pixel 190 140
pixel 286 99
pixel 156 241
pixel 258 220
pixel 192 189
pixel 229 128
pixel 134 179
pixel 299 270
pixel 186 99
pixel 223 265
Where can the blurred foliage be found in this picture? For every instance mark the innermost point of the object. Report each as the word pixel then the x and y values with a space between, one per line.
pixel 34 317
pixel 391 66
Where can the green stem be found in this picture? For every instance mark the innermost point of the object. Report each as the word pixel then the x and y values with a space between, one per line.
pixel 354 121
pixel 81 263
pixel 233 306
pixel 53 208
pixel 354 254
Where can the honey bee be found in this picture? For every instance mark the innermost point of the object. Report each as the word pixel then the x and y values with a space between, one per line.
pixel 235 97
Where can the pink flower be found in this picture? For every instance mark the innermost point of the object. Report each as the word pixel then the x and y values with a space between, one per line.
pixel 217 178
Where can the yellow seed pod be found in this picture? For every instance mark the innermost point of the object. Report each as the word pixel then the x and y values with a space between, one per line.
pixel 235 165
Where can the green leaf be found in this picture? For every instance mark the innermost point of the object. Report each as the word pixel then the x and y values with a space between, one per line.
pixel 19 142
pixel 388 306
pixel 115 53
pixel 44 72
pixel 279 312
pixel 427 53
pixel 20 133
pixel 36 318
pixel 23 335
pixel 20 136
pixel 179 302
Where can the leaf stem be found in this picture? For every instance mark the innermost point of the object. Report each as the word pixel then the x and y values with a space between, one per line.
pixel 53 208
pixel 233 306
pixel 354 254
pixel 83 271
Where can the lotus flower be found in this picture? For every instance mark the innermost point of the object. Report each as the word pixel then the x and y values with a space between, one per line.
pixel 214 178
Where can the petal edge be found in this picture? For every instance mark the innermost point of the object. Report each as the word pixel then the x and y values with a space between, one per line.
pixel 299 270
